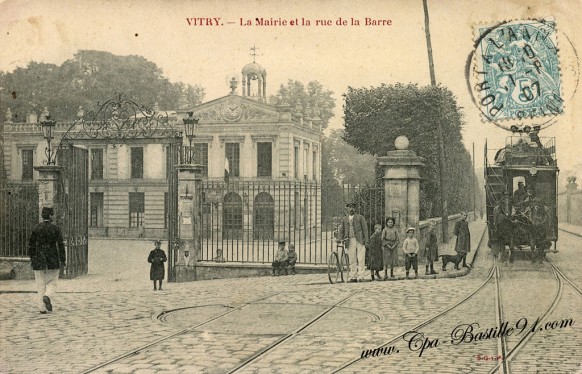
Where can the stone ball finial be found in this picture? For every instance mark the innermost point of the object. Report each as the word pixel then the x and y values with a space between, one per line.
pixel 401 143
pixel 8 115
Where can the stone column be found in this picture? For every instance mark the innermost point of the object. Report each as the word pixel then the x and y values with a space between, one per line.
pixel 402 185
pixel 189 216
pixel 48 177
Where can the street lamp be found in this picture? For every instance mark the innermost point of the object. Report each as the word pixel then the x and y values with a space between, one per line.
pixel 48 127
pixel 190 127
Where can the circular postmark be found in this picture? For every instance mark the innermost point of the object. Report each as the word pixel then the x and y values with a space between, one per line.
pixel 515 75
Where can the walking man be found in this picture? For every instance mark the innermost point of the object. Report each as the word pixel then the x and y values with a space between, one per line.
pixel 355 230
pixel 47 256
pixel 463 243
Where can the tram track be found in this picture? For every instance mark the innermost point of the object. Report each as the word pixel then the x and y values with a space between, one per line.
pixel 426 322
pixel 504 366
pixel 183 331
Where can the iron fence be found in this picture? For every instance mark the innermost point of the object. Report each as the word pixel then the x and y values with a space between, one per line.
pixel 19 213
pixel 244 221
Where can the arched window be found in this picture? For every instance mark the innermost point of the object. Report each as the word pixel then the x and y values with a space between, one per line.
pixel 263 216
pixel 232 216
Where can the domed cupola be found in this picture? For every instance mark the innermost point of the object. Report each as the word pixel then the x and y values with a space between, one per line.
pixel 254 80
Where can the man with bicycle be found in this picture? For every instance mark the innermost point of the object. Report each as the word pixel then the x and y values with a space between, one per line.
pixel 353 230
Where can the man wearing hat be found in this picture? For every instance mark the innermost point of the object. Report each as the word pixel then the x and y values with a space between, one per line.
pixel 47 256
pixel 520 194
pixel 354 230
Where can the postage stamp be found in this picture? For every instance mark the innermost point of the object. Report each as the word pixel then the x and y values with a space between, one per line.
pixel 516 70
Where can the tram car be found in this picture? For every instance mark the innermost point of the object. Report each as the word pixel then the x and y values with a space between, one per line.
pixel 521 195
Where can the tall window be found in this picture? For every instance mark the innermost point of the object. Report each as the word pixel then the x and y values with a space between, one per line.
pixel 233 156
pixel 201 156
pixel 314 165
pixel 264 159
pixel 296 162
pixel 27 161
pixel 97 163
pixel 137 163
pixel 136 209
pixel 96 214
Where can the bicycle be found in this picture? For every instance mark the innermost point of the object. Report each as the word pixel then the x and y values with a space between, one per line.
pixel 338 264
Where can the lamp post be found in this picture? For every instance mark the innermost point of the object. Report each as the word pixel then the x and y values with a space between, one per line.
pixel 190 127
pixel 48 127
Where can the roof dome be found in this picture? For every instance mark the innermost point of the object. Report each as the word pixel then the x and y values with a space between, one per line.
pixel 253 68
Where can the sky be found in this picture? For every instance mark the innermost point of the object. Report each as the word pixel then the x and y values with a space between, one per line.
pixel 336 55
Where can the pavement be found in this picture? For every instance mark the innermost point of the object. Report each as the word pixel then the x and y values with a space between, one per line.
pixel 571 229
pixel 111 321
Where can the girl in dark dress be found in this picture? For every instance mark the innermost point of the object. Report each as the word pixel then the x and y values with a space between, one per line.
pixel 374 252
pixel 157 258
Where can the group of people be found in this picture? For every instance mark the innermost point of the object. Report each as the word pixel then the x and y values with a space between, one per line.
pixel 379 251
pixel 285 259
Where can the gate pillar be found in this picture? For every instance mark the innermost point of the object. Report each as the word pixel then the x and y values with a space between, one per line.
pixel 189 222
pixel 402 185
pixel 49 176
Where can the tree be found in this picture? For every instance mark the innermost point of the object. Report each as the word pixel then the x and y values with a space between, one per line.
pixel 314 99
pixel 375 116
pixel 86 79
pixel 342 162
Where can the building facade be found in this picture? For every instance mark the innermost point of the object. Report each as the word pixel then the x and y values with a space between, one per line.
pixel 252 153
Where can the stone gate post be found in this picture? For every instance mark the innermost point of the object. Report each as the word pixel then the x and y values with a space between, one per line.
pixel 48 177
pixel 402 185
pixel 189 216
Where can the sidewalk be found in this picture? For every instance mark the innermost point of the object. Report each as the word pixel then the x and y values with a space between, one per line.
pixel 570 229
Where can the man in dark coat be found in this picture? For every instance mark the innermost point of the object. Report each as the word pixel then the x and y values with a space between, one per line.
pixel 463 243
pixel 354 230
pixel 47 256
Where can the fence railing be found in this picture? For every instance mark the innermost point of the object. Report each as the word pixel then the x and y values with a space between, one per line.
pixel 19 213
pixel 244 221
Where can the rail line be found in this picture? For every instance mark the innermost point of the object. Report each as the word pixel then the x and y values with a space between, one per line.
pixel 424 323
pixel 288 336
pixel 138 350
pixel 560 277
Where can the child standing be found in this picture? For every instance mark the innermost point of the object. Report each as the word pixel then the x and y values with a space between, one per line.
pixel 280 259
pixel 291 258
pixel 410 248
pixel 390 242
pixel 157 258
pixel 375 261
pixel 432 249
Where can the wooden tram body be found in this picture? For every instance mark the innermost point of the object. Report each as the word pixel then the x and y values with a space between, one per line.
pixel 524 220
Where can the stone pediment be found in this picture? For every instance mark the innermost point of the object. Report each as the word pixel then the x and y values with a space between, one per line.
pixel 234 108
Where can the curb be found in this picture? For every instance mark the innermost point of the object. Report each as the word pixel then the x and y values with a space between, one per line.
pixel 570 232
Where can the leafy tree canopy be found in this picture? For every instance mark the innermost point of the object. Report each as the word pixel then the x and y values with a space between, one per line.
pixel 313 98
pixel 342 162
pixel 86 79
pixel 376 116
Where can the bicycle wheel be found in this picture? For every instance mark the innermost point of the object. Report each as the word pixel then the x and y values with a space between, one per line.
pixel 345 267
pixel 334 269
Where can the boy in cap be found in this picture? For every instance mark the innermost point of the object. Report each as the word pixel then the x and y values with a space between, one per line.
pixel 410 248
pixel 280 259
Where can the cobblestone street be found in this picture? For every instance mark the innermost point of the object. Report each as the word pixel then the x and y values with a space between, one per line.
pixel 291 324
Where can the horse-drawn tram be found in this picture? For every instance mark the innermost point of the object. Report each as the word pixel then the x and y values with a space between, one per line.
pixel 521 195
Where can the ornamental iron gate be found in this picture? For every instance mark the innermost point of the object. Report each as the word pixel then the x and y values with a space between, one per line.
pixel 72 207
